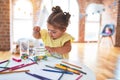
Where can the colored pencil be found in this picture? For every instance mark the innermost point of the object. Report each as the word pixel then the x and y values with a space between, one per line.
pixel 78 78
pixel 38 76
pixel 18 66
pixel 67 69
pixel 61 76
pixel 11 68
pixel 52 67
pixel 71 64
pixel 4 67
pixel 56 71
pixel 14 71
pixel 4 61
pixel 7 63
pixel 33 60
pixel 73 69
pixel 24 65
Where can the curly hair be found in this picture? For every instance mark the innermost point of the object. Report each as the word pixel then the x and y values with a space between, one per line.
pixel 58 18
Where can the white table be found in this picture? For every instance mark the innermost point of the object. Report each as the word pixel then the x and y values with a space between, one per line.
pixel 37 69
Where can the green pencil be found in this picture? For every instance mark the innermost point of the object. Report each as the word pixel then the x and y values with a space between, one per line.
pixel 7 63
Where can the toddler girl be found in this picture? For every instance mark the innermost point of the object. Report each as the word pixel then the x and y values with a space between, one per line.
pixel 56 40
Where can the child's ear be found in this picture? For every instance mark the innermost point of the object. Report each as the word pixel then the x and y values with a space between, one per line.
pixel 64 30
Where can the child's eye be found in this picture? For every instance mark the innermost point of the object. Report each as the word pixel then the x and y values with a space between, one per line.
pixel 54 32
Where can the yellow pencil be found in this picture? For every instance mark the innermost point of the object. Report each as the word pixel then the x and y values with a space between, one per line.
pixel 8 72
pixel 68 69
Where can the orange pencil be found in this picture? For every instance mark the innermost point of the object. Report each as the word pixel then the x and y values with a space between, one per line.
pixel 71 64
pixel 14 71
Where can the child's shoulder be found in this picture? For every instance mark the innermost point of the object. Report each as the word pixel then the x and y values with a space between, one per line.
pixel 68 36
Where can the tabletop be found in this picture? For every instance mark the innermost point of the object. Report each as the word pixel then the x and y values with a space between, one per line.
pixel 43 64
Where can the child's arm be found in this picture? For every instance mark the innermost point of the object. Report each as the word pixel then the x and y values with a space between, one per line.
pixel 64 49
pixel 36 32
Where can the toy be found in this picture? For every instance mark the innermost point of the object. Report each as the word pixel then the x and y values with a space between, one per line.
pixel 24 56
pixel 38 58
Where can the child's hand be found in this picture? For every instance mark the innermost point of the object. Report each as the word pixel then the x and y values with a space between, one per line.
pixel 36 29
pixel 36 32
pixel 50 49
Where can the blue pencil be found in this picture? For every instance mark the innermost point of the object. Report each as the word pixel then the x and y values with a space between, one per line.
pixel 66 72
pixel 61 76
pixel 38 76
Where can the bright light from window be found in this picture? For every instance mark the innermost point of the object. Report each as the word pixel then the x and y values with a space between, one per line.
pixel 23 9
pixel 92 25
pixel 22 20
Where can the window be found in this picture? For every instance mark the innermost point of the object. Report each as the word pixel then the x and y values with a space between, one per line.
pixel 92 25
pixel 22 20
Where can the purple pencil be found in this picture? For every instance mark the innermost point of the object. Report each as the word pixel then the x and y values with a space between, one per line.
pixel 4 61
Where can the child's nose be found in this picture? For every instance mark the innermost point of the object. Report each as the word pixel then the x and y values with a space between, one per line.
pixel 50 33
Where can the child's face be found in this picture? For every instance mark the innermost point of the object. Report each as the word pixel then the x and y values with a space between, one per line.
pixel 53 32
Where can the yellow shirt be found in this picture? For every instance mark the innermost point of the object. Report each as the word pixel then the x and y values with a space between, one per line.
pixel 48 41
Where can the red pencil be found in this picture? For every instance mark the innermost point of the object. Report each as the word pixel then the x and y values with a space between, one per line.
pixel 24 65
pixel 78 78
